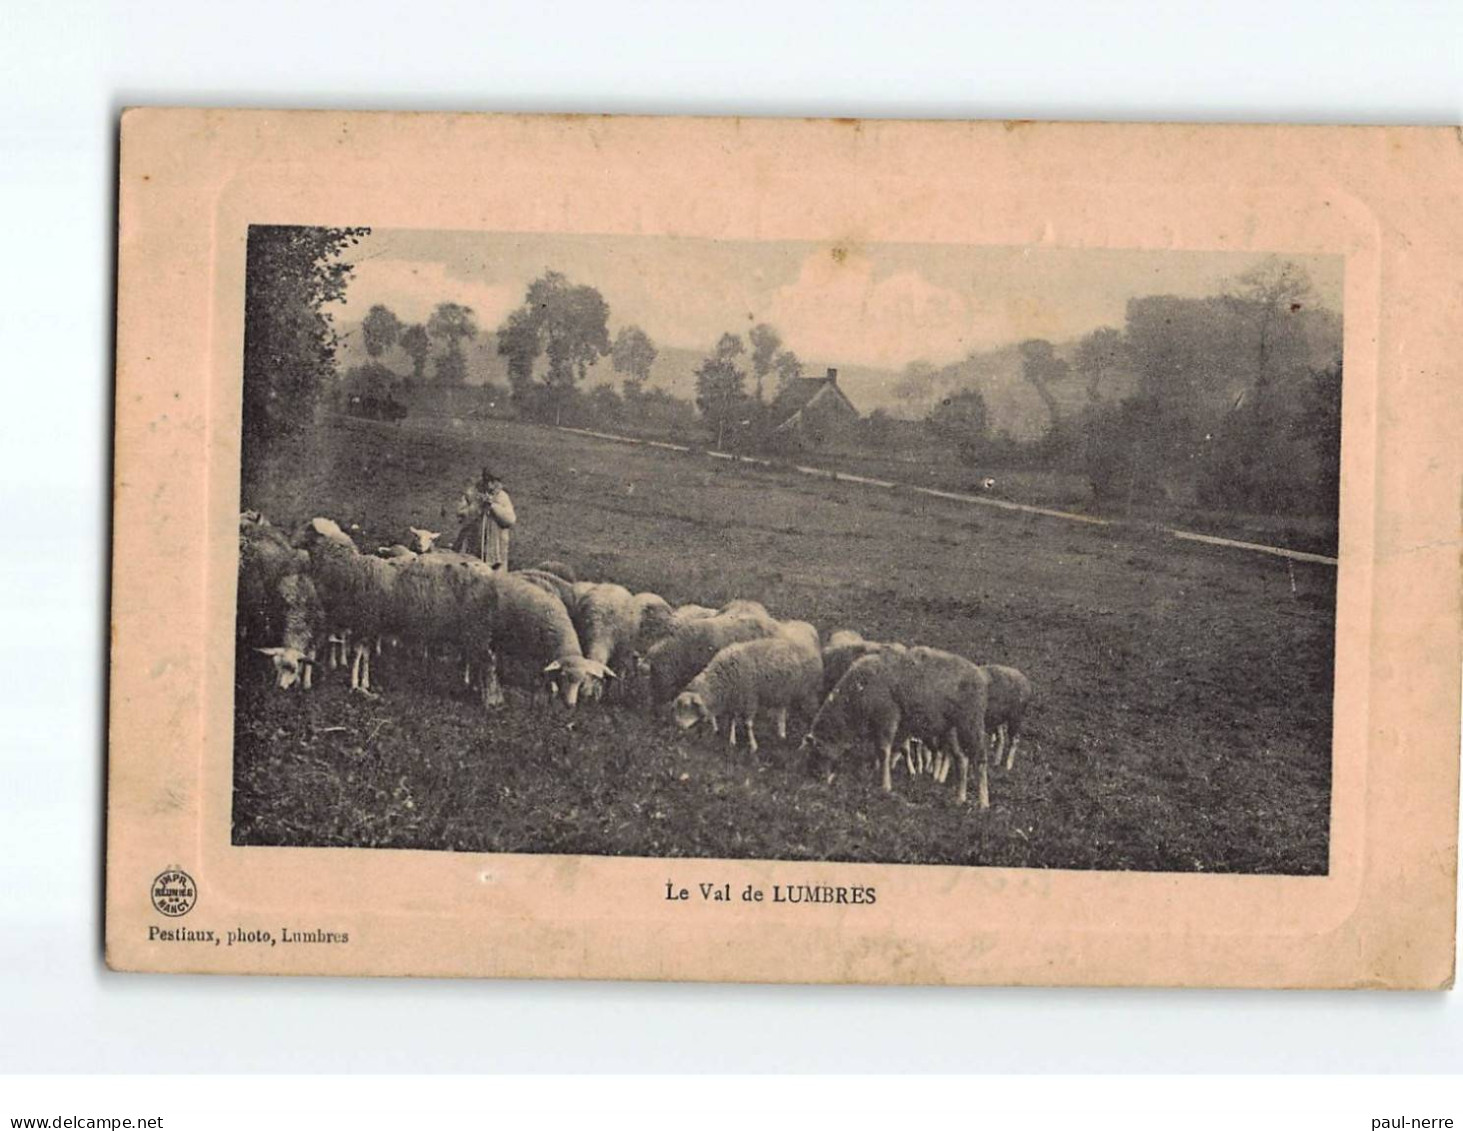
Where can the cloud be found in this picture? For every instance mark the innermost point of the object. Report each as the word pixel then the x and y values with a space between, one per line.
pixel 411 288
pixel 841 308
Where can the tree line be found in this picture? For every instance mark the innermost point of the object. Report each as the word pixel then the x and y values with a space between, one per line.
pixel 1231 400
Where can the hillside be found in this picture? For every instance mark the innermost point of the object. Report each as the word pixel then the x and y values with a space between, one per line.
pixel 1183 718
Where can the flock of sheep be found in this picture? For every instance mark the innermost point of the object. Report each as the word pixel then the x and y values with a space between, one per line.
pixel 544 630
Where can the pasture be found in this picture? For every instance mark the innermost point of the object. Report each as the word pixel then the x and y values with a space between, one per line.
pixel 1182 719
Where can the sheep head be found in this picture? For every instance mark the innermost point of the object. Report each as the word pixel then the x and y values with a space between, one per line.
pixel 422 541
pixel 290 666
pixel 571 676
pixel 819 760
pixel 691 708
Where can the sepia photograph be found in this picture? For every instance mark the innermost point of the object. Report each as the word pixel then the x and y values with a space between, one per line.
pixel 728 550
pixel 942 554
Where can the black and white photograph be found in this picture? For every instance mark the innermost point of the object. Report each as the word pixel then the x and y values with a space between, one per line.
pixel 899 553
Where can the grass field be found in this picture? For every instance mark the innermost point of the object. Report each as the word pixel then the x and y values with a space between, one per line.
pixel 1182 720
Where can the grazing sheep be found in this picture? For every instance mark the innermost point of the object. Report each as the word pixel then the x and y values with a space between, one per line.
pixel 935 696
pixel 1010 696
pixel 673 662
pixel 304 626
pixel 739 607
pixel 559 569
pixel 533 637
pixel 265 559
pixel 356 590
pixel 844 650
pixel 657 621
pixel 422 542
pixel 775 673
pixel 683 613
pixel 615 625
pixel 987 484
pixel 500 624
pixel 550 583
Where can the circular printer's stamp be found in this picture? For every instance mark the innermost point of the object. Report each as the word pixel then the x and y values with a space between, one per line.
pixel 174 893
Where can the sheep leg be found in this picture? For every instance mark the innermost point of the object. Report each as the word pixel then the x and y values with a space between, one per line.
pixel 1011 750
pixel 356 669
pixel 1000 742
pixel 731 734
pixel 492 689
pixel 782 722
pixel 309 667
pixel 964 759
pixel 888 749
pixel 751 734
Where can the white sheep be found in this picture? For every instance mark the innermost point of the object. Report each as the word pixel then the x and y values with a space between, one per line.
pixel 1010 696
pixel 304 626
pixel 533 637
pixel 843 650
pixel 616 626
pixel 559 569
pixel 774 673
pixel 683 613
pixel 356 590
pixel 935 696
pixel 422 541
pixel 551 583
pixel 265 559
pixel 740 607
pixel 673 662
pixel 498 623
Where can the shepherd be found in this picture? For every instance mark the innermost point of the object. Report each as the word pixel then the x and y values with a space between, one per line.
pixel 486 512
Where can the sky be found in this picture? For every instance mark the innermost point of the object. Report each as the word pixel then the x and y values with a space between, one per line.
pixel 881 305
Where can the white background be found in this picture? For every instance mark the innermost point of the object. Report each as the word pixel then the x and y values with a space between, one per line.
pixel 65 71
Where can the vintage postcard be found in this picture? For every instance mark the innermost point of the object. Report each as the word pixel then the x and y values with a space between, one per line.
pixel 771 550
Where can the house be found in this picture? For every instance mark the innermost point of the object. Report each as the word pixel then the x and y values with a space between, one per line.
pixel 812 410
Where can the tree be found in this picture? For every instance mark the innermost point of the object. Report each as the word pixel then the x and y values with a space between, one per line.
pixel 450 368
pixel 729 347
pixel 765 343
pixel 566 324
pixel 632 354
pixel 452 324
pixel 961 421
pixel 1273 294
pixel 721 393
pixel 291 274
pixel 604 405
pixel 1099 354
pixel 379 330
pixel 418 345
pixel 789 368
pixel 1041 367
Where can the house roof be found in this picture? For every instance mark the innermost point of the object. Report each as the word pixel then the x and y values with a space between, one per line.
pixel 801 392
